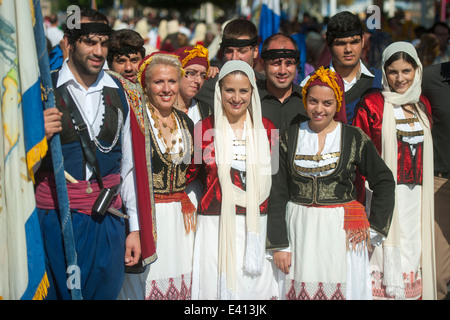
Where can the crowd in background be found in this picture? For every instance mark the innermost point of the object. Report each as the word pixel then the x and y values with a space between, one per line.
pixel 171 33
pixel 425 47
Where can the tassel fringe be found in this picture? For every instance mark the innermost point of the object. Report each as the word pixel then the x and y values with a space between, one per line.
pixel 35 155
pixel 224 292
pixel 42 289
pixel 189 214
pixel 253 254
pixel 393 279
pixel 356 226
pixel 187 208
pixel 358 239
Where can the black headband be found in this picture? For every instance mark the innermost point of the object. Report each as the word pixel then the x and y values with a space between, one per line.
pixel 331 35
pixel 275 54
pixel 238 42
pixel 90 28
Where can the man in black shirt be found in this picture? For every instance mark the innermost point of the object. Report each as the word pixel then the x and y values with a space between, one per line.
pixel 281 99
pixel 345 39
pixel 239 42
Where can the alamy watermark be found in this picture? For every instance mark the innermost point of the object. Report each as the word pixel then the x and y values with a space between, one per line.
pixel 373 20
pixel 73 277
pixel 73 17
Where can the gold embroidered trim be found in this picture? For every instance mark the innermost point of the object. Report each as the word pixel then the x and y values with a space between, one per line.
pixel 317 157
pixel 238 142
pixel 317 169
pixel 241 157
pixel 401 133
pixel 406 121
pixel 141 71
pixel 172 177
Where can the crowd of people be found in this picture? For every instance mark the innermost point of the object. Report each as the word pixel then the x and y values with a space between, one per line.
pixel 240 174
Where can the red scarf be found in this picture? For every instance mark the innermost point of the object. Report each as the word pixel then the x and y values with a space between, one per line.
pixel 145 204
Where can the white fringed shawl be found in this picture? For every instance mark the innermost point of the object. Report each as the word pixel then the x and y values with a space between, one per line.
pixel 391 246
pixel 258 183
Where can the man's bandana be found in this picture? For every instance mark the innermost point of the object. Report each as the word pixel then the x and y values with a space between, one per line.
pixel 275 54
pixel 86 29
pixel 238 43
pixel 331 35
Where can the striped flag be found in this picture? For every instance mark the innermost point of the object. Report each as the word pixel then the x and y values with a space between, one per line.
pixel 269 19
pixel 22 146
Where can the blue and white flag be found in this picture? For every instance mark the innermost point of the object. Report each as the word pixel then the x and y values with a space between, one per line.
pixel 269 19
pixel 22 146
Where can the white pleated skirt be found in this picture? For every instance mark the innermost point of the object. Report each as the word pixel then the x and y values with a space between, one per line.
pixel 321 266
pixel 410 221
pixel 170 276
pixel 205 268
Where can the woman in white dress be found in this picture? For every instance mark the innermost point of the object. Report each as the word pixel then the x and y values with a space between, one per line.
pixel 398 121
pixel 163 140
pixel 232 159
pixel 319 233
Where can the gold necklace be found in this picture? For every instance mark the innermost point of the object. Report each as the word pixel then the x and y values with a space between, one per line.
pixel 173 131
pixel 155 117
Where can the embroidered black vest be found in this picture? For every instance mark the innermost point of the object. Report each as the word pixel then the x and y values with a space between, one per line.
pixel 74 160
pixel 170 176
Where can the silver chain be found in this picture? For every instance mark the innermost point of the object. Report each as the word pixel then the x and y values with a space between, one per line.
pixel 116 137
pixel 91 130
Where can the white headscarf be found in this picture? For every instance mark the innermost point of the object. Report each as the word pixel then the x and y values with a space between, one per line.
pixel 258 183
pixel 393 278
pixel 412 95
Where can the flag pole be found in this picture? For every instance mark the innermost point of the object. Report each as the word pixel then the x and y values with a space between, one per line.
pixel 55 144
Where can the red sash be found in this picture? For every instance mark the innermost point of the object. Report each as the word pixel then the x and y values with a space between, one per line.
pixel 187 208
pixel 356 223
pixel 79 198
